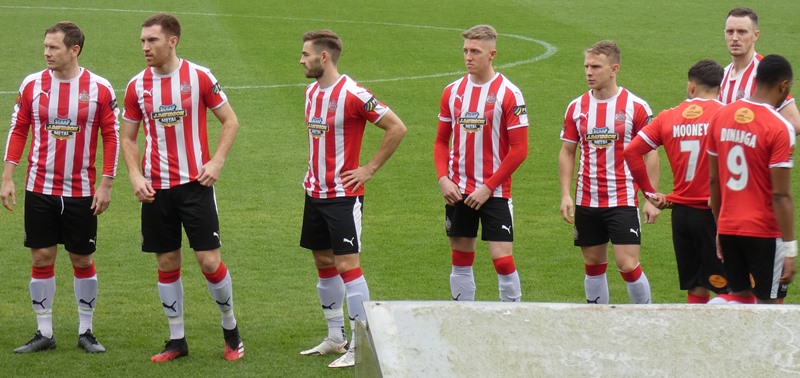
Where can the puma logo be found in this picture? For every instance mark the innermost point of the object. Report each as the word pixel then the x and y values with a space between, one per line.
pixel 349 241
pixel 595 301
pixel 92 241
pixel 41 303
pixel 147 93
pixel 171 307
pixel 216 234
pixel 226 303
pixel 457 296
pixel 635 232
pixel 507 228
pixel 352 318
pixel 44 93
pixel 329 307
pixel 87 303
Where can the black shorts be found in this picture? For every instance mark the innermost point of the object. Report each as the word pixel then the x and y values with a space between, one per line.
pixel 52 220
pixel 595 225
pixel 694 233
pixel 332 223
pixel 192 205
pixel 753 264
pixel 496 218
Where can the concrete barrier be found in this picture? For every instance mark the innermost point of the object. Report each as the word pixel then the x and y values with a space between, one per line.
pixel 492 339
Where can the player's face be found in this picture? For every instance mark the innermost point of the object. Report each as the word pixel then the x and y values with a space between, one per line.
pixel 600 72
pixel 311 61
pixel 478 55
pixel 740 35
pixel 56 53
pixel 157 46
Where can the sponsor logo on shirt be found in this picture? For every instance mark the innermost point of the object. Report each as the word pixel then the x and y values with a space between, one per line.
pixel 471 122
pixel 62 128
pixel 168 115
pixel 317 127
pixel 601 137
pixel 371 104
pixel 744 115
pixel 692 111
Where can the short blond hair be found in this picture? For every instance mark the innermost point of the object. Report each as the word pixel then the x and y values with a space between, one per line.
pixel 608 48
pixel 481 32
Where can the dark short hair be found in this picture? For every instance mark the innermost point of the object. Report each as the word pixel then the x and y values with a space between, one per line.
pixel 772 70
pixel 169 24
pixel 744 12
pixel 707 73
pixel 73 36
pixel 325 40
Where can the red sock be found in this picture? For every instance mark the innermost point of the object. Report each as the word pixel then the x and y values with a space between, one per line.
pixel 461 258
pixel 327 272
pixel 218 275
pixel 633 275
pixel 87 272
pixel 352 274
pixel 596 270
pixel 504 265
pixel 44 272
pixel 169 277
pixel 692 298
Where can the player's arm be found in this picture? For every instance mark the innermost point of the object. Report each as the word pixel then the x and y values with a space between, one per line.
pixel 20 127
pixel 633 157
pixel 393 132
pixel 441 157
pixel 130 151
pixel 790 112
pixel 651 161
pixel 783 205
pixel 109 131
pixel 518 143
pixel 7 191
pixel 715 197
pixel 566 169
pixel 209 174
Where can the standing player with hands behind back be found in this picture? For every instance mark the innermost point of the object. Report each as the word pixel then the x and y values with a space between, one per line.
pixel 176 181
pixel 483 115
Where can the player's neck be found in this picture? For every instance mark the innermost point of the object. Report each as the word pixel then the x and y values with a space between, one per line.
pixel 328 78
pixel 606 92
pixel 482 77
pixel 740 62
pixel 170 66
pixel 771 98
pixel 67 73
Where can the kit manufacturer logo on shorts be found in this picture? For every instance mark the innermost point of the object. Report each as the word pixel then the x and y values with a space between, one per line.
pixel 471 122
pixel 317 127
pixel 62 128
pixel 168 115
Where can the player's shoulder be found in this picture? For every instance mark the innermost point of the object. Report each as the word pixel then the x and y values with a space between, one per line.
pixel 455 83
pixel 356 89
pixel 196 67
pixel 138 76
pixel 33 77
pixel 633 97
pixel 100 80
pixel 509 84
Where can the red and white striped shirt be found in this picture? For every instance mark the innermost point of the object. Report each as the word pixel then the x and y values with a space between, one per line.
pixel 336 118
pixel 603 128
pixel 479 118
pixel 742 84
pixel 748 140
pixel 173 108
pixel 66 117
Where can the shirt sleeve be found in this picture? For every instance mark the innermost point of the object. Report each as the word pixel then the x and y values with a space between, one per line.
pixel 20 125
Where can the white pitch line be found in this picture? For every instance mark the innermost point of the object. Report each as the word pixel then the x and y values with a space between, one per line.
pixel 549 49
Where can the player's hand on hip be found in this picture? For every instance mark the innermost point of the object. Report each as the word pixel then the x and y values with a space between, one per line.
pixel 355 178
pixel 568 209
pixel 449 191
pixel 8 194
pixel 209 174
pixel 789 269
pixel 650 212
pixel 477 198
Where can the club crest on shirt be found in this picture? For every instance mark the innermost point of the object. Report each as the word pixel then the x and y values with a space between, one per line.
pixel 83 96
pixel 692 111
pixel 186 87
pixel 332 106
pixel 620 117
pixel 371 104
pixel 491 98
pixel 472 122
pixel 744 115
pixel 168 115
pixel 601 137
pixel 317 127
pixel 740 94
pixel 62 128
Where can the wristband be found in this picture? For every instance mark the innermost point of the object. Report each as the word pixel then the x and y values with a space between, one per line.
pixel 790 248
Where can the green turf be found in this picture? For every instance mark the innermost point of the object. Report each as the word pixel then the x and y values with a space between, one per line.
pixel 406 255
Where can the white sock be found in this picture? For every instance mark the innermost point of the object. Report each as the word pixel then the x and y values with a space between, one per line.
pixel 510 290
pixel 462 283
pixel 86 297
pixel 357 293
pixel 596 288
pixel 331 297
pixel 222 293
pixel 172 301
pixel 639 290
pixel 42 292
